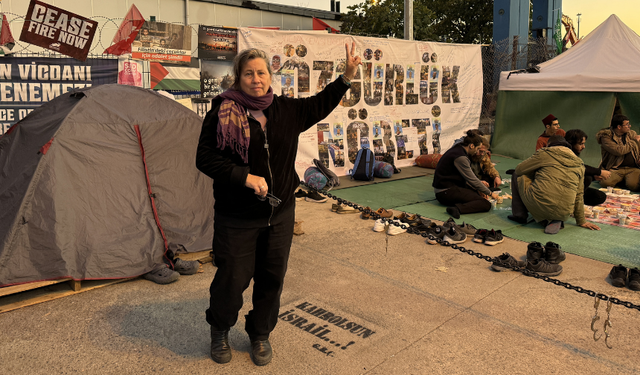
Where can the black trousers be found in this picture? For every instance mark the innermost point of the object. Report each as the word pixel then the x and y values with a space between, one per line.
pixel 242 254
pixel 592 197
pixel 467 201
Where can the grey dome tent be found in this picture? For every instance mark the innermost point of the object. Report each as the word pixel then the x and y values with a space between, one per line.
pixel 98 184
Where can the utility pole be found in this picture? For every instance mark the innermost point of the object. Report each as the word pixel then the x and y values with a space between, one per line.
pixel 408 19
pixel 579 14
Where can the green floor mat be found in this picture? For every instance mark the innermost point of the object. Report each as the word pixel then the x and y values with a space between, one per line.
pixel 612 244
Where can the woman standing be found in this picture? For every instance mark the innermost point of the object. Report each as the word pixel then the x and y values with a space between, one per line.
pixel 248 146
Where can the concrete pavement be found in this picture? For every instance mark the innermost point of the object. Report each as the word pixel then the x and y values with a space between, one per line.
pixel 355 302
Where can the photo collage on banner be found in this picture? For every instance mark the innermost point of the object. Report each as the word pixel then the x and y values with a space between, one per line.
pixel 408 98
pixel 217 47
pixel 161 41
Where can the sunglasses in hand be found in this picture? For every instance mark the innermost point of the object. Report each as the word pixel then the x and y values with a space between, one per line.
pixel 273 200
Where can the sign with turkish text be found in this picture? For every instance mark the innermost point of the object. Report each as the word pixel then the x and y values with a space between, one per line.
pixel 27 83
pixel 59 30
pixel 217 43
pixel 408 97
pixel 161 41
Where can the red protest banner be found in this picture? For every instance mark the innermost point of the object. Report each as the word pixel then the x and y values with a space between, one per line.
pixel 56 29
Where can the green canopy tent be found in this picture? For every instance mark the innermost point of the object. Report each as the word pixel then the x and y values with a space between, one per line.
pixel 580 87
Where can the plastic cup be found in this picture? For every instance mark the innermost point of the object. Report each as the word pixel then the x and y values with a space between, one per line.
pixel 609 189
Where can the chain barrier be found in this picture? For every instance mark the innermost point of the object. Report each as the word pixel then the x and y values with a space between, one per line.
pixel 524 271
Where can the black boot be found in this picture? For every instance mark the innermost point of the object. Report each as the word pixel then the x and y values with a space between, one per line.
pixel 220 349
pixel 261 352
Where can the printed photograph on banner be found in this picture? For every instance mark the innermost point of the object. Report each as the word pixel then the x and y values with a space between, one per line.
pixel 215 77
pixel 421 125
pixel 422 144
pixel 377 131
pixel 161 41
pixel 337 130
pixel 129 72
pixel 58 30
pixel 424 73
pixel 397 127
pixel 437 128
pixel 435 73
pixel 378 76
pixel 425 57
pixel 217 43
pixel 435 141
pixel 287 80
pixel 410 73
pixel 378 149
pixel 326 73
pixel 275 64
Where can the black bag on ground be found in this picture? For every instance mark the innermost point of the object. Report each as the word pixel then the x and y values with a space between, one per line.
pixel 332 178
pixel 363 167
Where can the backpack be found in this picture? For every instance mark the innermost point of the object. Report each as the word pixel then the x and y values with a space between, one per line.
pixel 332 178
pixel 363 167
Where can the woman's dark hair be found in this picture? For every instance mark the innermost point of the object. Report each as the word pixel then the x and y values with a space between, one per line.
pixel 617 120
pixel 242 58
pixel 473 137
pixel 574 136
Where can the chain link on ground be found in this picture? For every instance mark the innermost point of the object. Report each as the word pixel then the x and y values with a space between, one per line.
pixel 479 255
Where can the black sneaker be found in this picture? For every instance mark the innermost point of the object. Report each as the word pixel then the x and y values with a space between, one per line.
pixel 544 268
pixel 449 223
pixel 634 279
pixel 454 236
pixel 535 251
pixel 553 253
pixel 300 194
pixel 314 196
pixel 618 276
pixel 505 262
pixel 494 237
pixel 437 233
pixel 480 235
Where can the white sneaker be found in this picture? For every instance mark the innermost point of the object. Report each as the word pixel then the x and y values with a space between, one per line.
pixel 379 226
pixel 395 229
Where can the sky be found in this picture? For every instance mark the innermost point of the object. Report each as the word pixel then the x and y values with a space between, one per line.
pixel 594 12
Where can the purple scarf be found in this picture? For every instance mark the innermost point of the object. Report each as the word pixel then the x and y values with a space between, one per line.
pixel 233 126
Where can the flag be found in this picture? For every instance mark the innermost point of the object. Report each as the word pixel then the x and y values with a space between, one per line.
pixel 127 32
pixel 6 39
pixel 158 72
pixel 321 25
pixel 557 35
pixel 173 78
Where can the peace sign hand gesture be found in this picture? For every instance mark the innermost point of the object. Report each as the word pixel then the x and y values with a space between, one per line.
pixel 352 62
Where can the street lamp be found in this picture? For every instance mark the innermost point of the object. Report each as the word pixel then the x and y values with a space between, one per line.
pixel 579 14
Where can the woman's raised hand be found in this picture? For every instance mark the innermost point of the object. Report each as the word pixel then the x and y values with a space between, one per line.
pixel 352 61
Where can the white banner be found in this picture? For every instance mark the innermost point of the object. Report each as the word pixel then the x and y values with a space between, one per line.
pixel 409 98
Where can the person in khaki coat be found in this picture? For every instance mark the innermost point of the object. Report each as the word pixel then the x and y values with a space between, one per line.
pixel 550 185
pixel 620 153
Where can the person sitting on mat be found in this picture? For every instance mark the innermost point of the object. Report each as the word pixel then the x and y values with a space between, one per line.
pixel 455 184
pixel 551 127
pixel 620 150
pixel 592 197
pixel 550 186
pixel 481 164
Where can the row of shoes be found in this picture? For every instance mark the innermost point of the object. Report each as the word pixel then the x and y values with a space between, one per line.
pixel 450 232
pixel 488 237
pixel 544 260
pixel 399 224
pixel 310 196
pixel 368 213
pixel 620 277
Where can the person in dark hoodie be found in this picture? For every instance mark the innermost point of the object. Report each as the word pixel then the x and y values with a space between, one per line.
pixel 550 185
pixel 592 197
pixel 454 182
pixel 248 146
